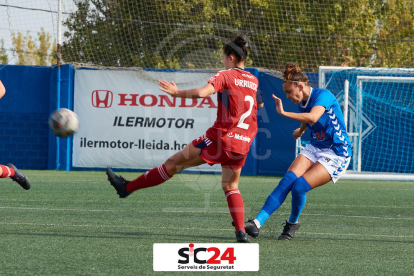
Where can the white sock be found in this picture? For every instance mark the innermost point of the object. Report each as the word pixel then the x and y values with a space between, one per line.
pixel 257 223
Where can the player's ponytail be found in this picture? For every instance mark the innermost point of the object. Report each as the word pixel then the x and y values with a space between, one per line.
pixel 237 48
pixel 293 74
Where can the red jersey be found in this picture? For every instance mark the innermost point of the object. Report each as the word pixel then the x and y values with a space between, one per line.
pixel 236 123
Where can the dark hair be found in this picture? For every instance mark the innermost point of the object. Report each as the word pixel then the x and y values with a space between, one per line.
pixel 293 74
pixel 237 48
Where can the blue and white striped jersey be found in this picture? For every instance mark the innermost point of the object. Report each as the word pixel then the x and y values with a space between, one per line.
pixel 329 131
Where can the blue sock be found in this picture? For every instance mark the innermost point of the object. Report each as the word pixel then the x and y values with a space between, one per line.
pixel 299 190
pixel 277 197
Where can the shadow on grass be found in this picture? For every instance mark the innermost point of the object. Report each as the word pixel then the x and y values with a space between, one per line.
pixel 129 235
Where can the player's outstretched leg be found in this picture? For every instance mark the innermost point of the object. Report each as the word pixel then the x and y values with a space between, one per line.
pixel 118 182
pixel 289 230
pixel 19 177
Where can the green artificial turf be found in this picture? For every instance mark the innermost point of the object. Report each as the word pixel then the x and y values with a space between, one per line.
pixel 73 223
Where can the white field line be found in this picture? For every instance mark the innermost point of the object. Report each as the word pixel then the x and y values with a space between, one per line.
pixel 194 210
pixel 184 228
pixel 107 226
pixel 337 234
pixel 52 209
pixel 221 202
pixel 345 216
pixel 359 206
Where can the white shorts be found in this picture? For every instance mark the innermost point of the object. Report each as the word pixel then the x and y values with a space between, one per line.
pixel 334 164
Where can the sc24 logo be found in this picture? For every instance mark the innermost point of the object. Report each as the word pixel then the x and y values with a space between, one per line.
pixel 228 255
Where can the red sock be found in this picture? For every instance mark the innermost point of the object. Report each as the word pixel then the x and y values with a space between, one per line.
pixel 236 207
pixel 151 178
pixel 7 171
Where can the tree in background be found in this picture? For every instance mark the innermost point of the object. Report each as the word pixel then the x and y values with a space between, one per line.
pixel 151 34
pixel 190 34
pixel 28 52
pixel 4 59
pixel 396 34
pixel 23 48
pixel 45 54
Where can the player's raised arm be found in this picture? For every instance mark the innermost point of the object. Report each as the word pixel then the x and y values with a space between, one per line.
pixel 310 117
pixel 2 90
pixel 172 89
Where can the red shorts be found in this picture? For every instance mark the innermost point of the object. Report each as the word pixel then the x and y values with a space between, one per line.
pixel 213 153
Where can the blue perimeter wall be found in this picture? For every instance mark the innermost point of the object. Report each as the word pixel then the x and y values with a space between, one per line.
pixel 31 95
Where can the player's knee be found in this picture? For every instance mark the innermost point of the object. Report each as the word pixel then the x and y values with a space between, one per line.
pixel 270 198
pixel 171 166
pixel 229 186
pixel 300 186
pixel 295 190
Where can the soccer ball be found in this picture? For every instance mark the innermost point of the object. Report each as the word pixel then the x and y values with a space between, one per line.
pixel 63 122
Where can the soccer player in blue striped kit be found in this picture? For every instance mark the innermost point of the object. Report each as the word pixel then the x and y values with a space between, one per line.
pixel 326 158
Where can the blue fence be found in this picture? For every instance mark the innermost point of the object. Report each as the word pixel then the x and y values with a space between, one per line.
pixel 32 94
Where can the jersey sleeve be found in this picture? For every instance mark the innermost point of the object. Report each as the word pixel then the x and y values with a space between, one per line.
pixel 219 82
pixel 324 99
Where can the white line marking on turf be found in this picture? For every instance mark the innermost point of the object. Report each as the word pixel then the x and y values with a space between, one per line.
pixel 337 234
pixel 184 228
pixel 219 210
pixel 108 226
pixel 364 217
pixel 52 209
pixel 195 210
pixel 360 206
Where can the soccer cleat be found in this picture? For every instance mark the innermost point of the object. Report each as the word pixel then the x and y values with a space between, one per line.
pixel 289 230
pixel 241 236
pixel 19 177
pixel 250 227
pixel 118 182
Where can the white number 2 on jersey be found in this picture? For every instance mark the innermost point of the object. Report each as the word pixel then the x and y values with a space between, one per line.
pixel 243 117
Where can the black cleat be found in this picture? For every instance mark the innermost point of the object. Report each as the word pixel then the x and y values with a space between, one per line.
pixel 250 227
pixel 19 177
pixel 241 236
pixel 118 182
pixel 289 230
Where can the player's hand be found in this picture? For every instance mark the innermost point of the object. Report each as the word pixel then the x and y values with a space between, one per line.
pixel 279 105
pixel 169 88
pixel 297 133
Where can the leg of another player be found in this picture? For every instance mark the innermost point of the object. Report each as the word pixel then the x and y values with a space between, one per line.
pixel 316 176
pixel 186 158
pixel 6 171
pixel 230 186
pixel 11 171
pixel 298 167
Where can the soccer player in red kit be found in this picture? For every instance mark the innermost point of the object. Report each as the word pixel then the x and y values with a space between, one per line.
pixel 227 142
pixel 10 170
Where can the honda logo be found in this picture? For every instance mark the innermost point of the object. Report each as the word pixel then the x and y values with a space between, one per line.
pixel 102 98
